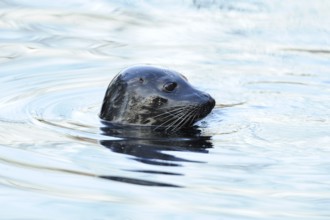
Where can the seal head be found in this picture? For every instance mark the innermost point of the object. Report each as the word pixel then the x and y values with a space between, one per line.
pixel 153 96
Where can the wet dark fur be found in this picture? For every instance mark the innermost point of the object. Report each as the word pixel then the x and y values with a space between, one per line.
pixel 138 96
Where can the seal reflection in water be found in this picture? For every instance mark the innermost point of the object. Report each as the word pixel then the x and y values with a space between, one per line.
pixel 155 97
pixel 153 111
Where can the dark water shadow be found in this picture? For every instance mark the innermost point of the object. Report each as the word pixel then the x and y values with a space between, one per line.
pixel 154 148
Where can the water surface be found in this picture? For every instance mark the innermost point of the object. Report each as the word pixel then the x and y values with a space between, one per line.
pixel 263 153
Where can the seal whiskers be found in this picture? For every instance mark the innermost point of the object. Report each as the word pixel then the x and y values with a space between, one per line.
pixel 187 119
pixel 184 118
pixel 172 119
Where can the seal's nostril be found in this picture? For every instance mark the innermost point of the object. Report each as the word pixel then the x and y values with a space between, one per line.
pixel 212 102
pixel 209 100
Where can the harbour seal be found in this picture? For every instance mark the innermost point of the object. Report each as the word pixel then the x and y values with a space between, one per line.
pixel 157 97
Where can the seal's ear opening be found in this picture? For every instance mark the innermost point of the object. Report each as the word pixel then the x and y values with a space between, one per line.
pixel 113 99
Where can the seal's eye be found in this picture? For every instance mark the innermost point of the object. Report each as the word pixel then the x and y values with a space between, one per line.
pixel 169 87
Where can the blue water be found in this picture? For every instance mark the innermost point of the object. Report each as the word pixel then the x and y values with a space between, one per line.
pixel 267 142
